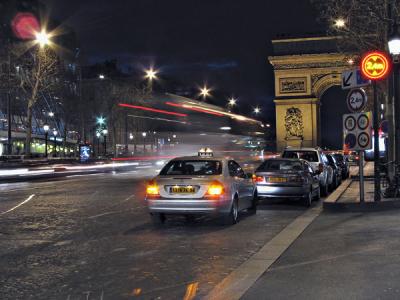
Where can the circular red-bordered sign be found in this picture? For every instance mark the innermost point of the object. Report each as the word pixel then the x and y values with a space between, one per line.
pixel 375 65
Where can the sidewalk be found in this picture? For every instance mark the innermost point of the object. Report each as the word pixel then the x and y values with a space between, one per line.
pixel 347 196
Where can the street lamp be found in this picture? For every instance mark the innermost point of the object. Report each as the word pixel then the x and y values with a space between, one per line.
pixel 257 110
pixel 98 134
pixel 105 132
pixel 51 114
pixel 42 38
pixel 101 76
pixel 340 23
pixel 150 74
pixel 394 49
pixel 144 134
pixel 46 133
pixel 55 132
pixel 232 101
pixel 205 92
pixel 100 120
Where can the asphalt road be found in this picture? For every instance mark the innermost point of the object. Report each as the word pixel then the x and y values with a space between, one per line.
pixel 90 237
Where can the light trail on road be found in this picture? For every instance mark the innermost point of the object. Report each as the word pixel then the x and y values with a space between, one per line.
pixel 22 203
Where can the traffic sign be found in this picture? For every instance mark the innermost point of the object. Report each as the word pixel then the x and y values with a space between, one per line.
pixel 357 131
pixel 356 100
pixel 353 79
pixel 375 65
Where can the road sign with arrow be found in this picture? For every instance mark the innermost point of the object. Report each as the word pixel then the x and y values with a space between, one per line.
pixel 353 79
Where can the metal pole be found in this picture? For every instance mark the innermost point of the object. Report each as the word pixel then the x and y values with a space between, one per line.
pixel 396 111
pixel 377 177
pixel 98 146
pixel 105 145
pixel 55 146
pixel 361 175
pixel 45 144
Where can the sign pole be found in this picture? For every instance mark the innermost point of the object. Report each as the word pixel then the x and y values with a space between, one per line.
pixel 361 174
pixel 377 177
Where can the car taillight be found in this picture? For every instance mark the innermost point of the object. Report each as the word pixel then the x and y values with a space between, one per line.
pixel 215 189
pixel 152 189
pixel 321 168
pixel 258 178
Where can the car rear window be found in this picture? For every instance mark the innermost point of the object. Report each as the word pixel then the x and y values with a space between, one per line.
pixel 192 167
pixel 280 165
pixel 338 157
pixel 310 156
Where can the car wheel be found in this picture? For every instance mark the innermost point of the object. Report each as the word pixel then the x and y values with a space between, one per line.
pixel 254 203
pixel 324 190
pixel 307 199
pixel 233 216
pixel 158 218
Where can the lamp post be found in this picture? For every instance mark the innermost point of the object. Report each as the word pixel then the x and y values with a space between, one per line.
pixel 55 132
pixel 205 92
pixel 105 132
pixel 46 128
pixel 98 134
pixel 144 134
pixel 150 75
pixel 394 49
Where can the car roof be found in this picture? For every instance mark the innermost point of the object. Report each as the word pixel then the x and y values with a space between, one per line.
pixel 301 149
pixel 199 158
pixel 285 159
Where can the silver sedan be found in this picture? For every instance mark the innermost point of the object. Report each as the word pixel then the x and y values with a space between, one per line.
pixel 201 185
pixel 287 178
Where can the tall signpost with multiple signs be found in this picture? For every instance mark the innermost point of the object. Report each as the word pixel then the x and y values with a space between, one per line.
pixel 375 66
pixel 357 125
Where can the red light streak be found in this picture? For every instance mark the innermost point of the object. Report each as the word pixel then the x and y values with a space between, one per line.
pixel 152 109
pixel 195 109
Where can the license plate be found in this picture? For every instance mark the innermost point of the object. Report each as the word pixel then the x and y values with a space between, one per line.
pixel 182 190
pixel 277 179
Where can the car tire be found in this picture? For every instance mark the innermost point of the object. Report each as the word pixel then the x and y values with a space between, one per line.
pixel 324 190
pixel 158 218
pixel 307 199
pixel 233 216
pixel 254 203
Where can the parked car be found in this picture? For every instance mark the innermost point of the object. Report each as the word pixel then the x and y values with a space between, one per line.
pixel 343 163
pixel 317 161
pixel 353 158
pixel 287 178
pixel 201 185
pixel 337 172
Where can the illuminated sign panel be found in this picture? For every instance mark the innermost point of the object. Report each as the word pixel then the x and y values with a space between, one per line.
pixel 375 65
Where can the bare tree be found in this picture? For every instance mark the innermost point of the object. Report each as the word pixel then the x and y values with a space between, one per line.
pixel 39 73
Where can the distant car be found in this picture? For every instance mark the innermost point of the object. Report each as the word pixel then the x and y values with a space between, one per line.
pixel 201 185
pixel 287 178
pixel 337 172
pixel 343 163
pixel 353 157
pixel 318 162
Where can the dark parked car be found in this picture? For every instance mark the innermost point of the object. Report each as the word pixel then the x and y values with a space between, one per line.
pixel 337 172
pixel 343 163
pixel 287 178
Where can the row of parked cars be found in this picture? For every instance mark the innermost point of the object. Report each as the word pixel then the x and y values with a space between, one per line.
pixel 301 172
pixel 205 184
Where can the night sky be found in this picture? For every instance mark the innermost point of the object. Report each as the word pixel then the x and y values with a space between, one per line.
pixel 223 42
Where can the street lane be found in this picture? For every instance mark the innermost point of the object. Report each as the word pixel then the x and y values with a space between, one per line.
pixel 92 234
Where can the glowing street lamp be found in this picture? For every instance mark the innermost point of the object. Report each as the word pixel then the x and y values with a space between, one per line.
pixel 205 92
pixel 42 38
pixel 101 76
pixel 51 114
pixel 150 74
pixel 100 120
pixel 232 101
pixel 46 129
pixel 340 23
pixel 257 110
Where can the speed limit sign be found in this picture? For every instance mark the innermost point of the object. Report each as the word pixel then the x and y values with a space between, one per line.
pixel 356 100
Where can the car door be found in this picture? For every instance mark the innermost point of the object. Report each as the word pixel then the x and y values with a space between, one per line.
pixel 243 184
pixel 313 176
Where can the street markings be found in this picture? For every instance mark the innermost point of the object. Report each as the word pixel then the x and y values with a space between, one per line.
pixel 235 285
pixel 22 203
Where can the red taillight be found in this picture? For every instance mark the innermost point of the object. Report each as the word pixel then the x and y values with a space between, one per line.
pixel 152 189
pixel 258 178
pixel 215 189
